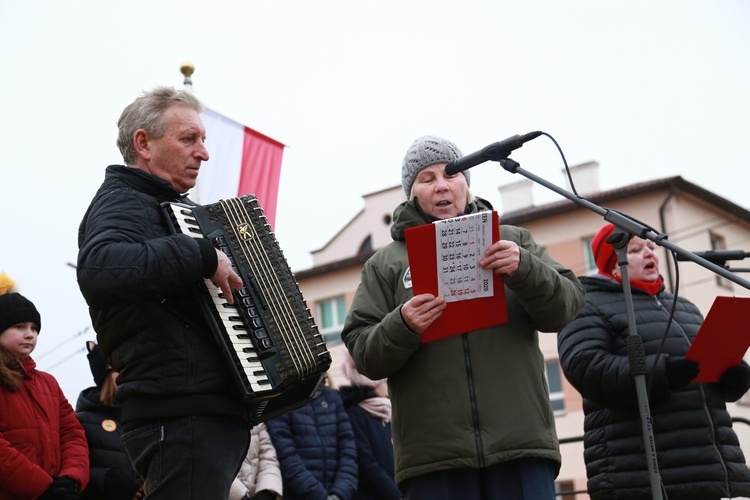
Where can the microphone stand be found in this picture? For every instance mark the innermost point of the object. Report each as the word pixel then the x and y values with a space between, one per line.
pixel 625 227
pixel 637 360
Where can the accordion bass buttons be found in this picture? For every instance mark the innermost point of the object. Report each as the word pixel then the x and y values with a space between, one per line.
pixel 260 336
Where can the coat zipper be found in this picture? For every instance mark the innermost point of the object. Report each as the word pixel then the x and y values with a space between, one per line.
pixel 473 401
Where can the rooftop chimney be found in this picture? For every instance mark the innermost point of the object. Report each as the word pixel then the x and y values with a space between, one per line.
pixel 585 178
pixel 516 196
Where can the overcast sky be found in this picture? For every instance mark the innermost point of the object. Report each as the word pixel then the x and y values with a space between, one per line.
pixel 649 89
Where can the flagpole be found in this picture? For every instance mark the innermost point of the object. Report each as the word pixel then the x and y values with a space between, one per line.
pixel 187 69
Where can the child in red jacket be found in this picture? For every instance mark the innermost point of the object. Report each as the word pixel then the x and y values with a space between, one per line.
pixel 43 450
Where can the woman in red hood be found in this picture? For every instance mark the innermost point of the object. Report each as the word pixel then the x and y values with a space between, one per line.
pixel 697 452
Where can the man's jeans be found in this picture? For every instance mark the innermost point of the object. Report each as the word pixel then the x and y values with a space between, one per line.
pixel 189 457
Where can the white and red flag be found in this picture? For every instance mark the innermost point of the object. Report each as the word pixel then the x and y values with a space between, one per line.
pixel 241 161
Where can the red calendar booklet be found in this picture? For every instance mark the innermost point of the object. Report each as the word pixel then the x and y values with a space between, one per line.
pixel 443 258
pixel 723 338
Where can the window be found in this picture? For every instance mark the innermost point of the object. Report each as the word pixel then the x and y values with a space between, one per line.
pixel 331 317
pixel 554 382
pixel 588 257
pixel 718 243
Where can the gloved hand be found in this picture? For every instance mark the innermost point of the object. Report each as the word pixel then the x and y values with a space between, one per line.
pixel 62 488
pixel 681 371
pixel 118 486
pixel 263 495
pixel 734 382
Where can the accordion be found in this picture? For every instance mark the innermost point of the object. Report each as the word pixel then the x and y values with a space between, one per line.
pixel 269 338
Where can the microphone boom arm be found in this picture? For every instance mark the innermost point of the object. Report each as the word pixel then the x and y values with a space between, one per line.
pixel 627 224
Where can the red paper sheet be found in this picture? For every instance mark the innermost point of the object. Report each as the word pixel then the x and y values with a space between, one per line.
pixel 461 316
pixel 723 338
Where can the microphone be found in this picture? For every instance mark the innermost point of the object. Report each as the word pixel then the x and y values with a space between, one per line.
pixel 495 151
pixel 718 256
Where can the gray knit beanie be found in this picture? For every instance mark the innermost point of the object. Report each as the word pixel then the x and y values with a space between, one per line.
pixel 423 152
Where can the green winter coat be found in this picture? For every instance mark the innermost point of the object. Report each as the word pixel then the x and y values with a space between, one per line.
pixel 471 400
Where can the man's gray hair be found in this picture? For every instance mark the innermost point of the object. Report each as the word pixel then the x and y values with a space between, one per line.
pixel 146 113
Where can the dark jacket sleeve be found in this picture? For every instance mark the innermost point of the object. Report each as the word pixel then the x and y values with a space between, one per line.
pixel 374 331
pixel 549 292
pixel 127 255
pixel 73 445
pixel 594 355
pixel 589 363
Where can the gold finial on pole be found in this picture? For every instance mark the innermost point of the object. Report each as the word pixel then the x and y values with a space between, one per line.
pixel 187 69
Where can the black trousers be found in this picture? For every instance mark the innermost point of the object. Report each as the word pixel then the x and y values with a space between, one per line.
pixel 522 479
pixel 189 457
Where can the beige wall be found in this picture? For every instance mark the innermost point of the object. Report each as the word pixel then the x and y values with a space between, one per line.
pixel 373 221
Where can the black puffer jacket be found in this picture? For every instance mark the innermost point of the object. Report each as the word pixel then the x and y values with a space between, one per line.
pixel 698 453
pixel 111 475
pixel 140 283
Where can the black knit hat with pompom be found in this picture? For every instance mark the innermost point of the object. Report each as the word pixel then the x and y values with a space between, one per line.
pixel 14 307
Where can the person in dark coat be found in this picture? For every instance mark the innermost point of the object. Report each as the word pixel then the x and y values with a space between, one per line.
pixel 111 475
pixel 369 409
pixel 697 451
pixel 316 450
pixel 141 282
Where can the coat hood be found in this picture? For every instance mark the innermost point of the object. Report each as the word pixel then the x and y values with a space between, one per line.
pixel 410 214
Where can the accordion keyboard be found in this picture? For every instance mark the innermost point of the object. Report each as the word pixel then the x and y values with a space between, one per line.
pixel 231 318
